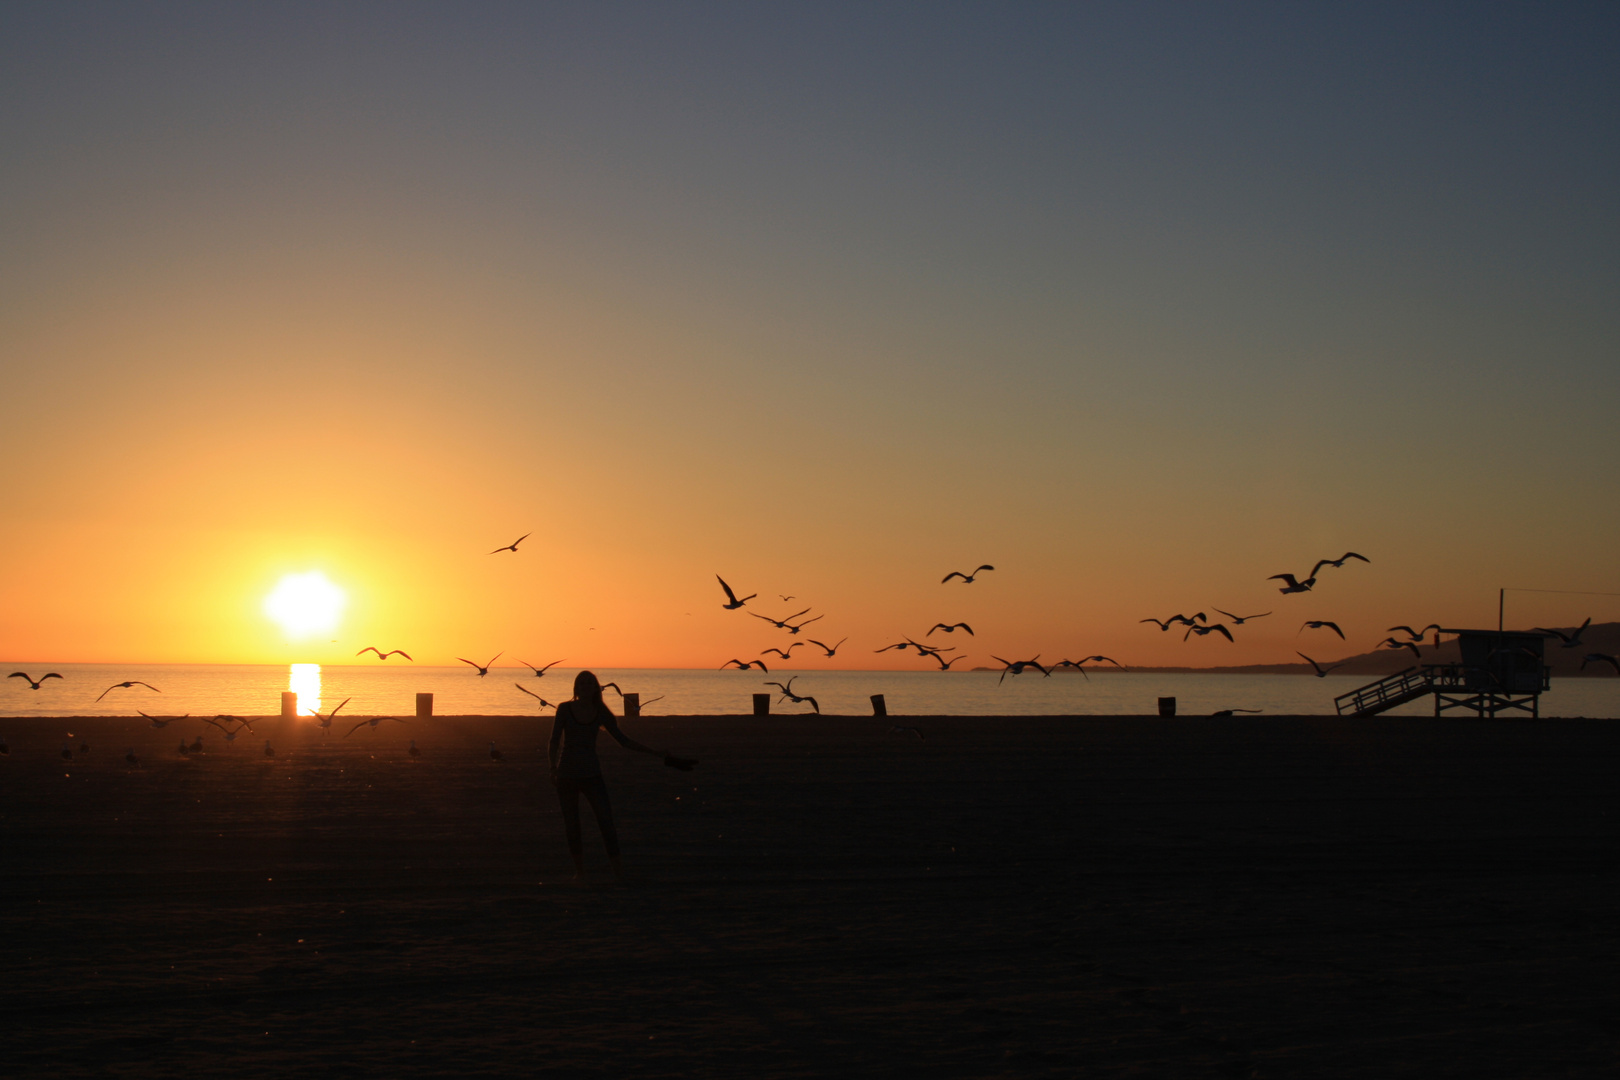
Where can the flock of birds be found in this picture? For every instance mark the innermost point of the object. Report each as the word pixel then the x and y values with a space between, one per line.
pixel 1197 624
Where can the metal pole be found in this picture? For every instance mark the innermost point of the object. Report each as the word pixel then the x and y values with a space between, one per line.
pixel 1501 600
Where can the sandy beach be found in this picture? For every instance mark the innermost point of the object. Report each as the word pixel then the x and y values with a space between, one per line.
pixel 1005 897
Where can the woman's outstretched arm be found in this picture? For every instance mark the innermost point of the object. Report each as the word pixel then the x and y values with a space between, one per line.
pixel 612 725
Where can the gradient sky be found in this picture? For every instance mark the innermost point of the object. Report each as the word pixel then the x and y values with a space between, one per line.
pixel 1140 303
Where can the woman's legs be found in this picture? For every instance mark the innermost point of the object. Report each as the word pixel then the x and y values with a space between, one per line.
pixel 596 791
pixel 568 796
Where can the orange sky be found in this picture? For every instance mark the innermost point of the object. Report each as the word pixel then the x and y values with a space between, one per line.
pixel 764 313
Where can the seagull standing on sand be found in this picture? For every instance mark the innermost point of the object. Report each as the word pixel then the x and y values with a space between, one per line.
pixel 1318 624
pixel 269 751
pixel 67 752
pixel 1569 640
pixel 129 756
pixel 5 747
pixel 967 579
pixel 513 545
pixel 126 686
pixel 830 650
pixel 732 603
pixel 483 669
pixel 385 655
pixel 413 751
pixel 33 684
pixel 950 628
pixel 495 753
pixel 1321 672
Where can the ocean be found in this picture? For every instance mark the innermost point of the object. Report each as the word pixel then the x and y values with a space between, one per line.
pixel 391 688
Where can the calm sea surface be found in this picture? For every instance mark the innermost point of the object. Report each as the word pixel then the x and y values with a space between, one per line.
pixel 255 690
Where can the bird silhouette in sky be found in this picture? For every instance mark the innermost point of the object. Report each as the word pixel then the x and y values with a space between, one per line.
pixel 744 665
pixel 950 628
pixel 801 626
pixel 324 722
pixel 385 655
pixel 161 722
pixel 732 603
pixel 544 704
pixel 1391 643
pixel 539 672
pixel 1071 664
pixel 230 732
pixel 787 599
pixel 513 545
pixel 1184 620
pixel 1601 658
pixel 1239 620
pixel 1321 672
pixel 786 654
pixel 483 669
pixel 1291 585
pixel 1318 624
pixel 944 664
pixel 1569 640
pixel 830 650
pixel 797 699
pixel 780 624
pixel 967 579
pixel 126 686
pixel 1016 667
pixel 33 684
pixel 1336 562
pixel 372 724
pixel 1201 631
pixel 1417 635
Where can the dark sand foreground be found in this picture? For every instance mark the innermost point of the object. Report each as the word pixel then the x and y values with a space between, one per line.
pixel 1008 897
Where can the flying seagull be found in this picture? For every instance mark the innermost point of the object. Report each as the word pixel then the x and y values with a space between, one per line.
pixel 1417 635
pixel 951 628
pixel 1391 643
pixel 161 722
pixel 126 686
pixel 1239 620
pixel 732 603
pixel 513 545
pixel 1601 658
pixel 786 654
pixel 33 684
pixel 1292 585
pixel 385 655
pixel 797 699
pixel 830 650
pixel 1217 628
pixel 780 624
pixel 483 669
pixel 967 579
pixel 1185 620
pixel 372 724
pixel 1016 667
pixel 744 665
pixel 1317 624
pixel 944 664
pixel 539 672
pixel 544 704
pixel 801 626
pixel 1321 672
pixel 1337 562
pixel 1569 640
pixel 325 722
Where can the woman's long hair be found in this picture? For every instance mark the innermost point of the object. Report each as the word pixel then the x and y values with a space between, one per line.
pixel 588 693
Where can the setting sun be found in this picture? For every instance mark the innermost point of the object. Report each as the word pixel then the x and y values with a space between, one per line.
pixel 305 604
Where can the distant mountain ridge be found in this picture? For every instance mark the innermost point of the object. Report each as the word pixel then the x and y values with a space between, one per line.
pixel 1565 663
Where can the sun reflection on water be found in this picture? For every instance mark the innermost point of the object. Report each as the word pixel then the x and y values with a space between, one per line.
pixel 305 681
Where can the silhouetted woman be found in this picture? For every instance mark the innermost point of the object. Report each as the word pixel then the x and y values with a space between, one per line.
pixel 576 771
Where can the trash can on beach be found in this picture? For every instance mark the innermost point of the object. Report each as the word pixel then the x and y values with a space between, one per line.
pixel 1167 706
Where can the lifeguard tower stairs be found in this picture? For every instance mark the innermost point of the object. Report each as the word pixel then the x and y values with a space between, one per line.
pixel 1500 672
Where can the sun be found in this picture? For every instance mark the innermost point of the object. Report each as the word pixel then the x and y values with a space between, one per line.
pixel 305 604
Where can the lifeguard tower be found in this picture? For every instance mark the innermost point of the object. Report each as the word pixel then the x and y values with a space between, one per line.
pixel 1500 671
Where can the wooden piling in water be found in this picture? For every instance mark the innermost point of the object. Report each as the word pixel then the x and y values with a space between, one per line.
pixel 879 706
pixel 762 704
